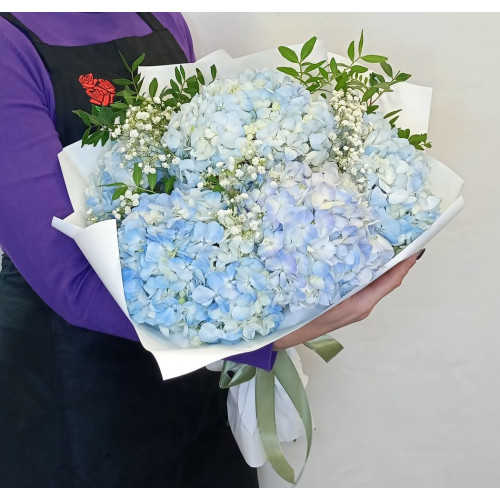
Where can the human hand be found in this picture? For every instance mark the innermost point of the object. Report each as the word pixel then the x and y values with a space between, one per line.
pixel 354 309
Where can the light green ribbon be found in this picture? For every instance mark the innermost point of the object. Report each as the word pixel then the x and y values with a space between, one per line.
pixel 285 372
pixel 234 374
pixel 325 346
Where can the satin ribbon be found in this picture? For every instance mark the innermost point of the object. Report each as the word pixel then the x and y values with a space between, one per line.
pixel 285 372
pixel 325 346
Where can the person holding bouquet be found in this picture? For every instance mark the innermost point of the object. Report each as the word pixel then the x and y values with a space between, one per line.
pixel 83 404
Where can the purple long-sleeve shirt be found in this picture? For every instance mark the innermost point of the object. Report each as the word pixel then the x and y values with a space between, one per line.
pixel 32 189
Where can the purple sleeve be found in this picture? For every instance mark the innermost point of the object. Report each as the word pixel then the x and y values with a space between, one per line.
pixel 33 191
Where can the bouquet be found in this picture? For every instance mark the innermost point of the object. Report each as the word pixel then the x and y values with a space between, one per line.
pixel 237 207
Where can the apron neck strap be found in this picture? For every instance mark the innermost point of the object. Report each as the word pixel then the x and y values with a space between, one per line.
pixel 151 21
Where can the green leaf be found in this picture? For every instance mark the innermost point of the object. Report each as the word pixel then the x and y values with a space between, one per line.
pixel 200 76
pixel 122 81
pixel 307 48
pixel 371 109
pixel 153 87
pixel 312 66
pixel 289 71
pixel 124 61
pixel 137 175
pixel 174 86
pixel 137 62
pixel 386 68
pixel 360 44
pixel 119 105
pixel 112 184
pixel 105 137
pixel 169 184
pixel 350 51
pixel 323 73
pixel 372 58
pixel 129 99
pixel 341 81
pixel 183 72
pixel 83 115
pixel 402 77
pixel 178 76
pixel 119 192
pixel 376 78
pixel 333 65
pixel 392 113
pixel 369 93
pixel 404 134
pixel 213 71
pixel 85 136
pixel 139 84
pixel 288 54
pixel 359 69
pixel 152 179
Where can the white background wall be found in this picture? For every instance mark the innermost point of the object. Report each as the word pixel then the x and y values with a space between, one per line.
pixel 413 400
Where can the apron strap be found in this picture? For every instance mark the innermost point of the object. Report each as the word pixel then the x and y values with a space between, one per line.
pixel 151 21
pixel 18 24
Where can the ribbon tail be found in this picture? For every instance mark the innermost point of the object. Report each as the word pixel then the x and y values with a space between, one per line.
pixel 289 378
pixel 325 346
pixel 266 422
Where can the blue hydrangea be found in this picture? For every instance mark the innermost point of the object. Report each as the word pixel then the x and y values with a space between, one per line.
pixel 257 114
pixel 319 242
pixel 176 278
pixel 397 182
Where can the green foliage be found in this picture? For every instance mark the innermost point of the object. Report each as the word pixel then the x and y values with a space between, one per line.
pixel 324 76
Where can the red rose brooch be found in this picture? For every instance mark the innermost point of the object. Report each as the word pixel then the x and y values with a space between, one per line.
pixel 101 92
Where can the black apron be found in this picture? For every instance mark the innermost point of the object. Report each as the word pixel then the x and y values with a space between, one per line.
pixel 80 408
